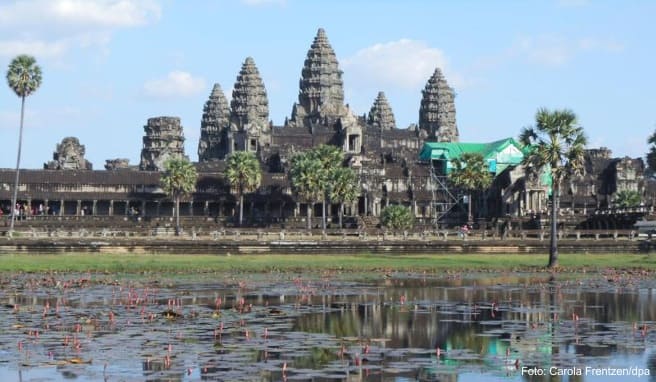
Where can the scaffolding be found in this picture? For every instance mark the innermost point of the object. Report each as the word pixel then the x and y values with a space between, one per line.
pixel 443 199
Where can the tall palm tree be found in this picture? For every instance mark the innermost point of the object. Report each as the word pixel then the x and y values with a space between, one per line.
pixel 24 78
pixel 471 174
pixel 343 188
pixel 556 143
pixel 331 158
pixel 179 179
pixel 244 175
pixel 308 180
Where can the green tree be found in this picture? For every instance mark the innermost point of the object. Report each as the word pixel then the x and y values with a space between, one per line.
pixel 331 158
pixel 627 198
pixel 244 175
pixel 556 142
pixel 24 78
pixel 178 180
pixel 397 217
pixel 308 180
pixel 344 188
pixel 471 174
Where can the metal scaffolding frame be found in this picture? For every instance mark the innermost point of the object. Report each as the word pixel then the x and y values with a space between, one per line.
pixel 443 198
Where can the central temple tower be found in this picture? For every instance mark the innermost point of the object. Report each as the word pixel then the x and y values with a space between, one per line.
pixel 321 93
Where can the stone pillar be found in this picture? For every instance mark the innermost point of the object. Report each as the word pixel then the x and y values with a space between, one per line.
pixel 61 207
pixel 28 207
pixel 78 209
pixel 191 207
pixel 111 208
pixel 206 208
pixel 45 206
pixel 127 207
pixel 157 206
pixel 94 208
pixel 366 205
pixel 143 208
pixel 297 209
pixel 220 208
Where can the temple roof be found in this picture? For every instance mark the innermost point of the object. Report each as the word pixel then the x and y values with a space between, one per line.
pixel 249 104
pixel 321 87
pixel 437 113
pixel 380 115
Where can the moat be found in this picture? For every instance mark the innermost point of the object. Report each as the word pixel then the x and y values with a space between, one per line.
pixel 324 326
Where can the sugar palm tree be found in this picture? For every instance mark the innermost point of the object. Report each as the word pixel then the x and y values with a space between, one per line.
pixel 308 180
pixel 557 143
pixel 471 174
pixel 331 158
pixel 178 180
pixel 24 78
pixel 343 188
pixel 244 175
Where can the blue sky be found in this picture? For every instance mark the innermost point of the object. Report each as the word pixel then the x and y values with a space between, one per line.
pixel 109 65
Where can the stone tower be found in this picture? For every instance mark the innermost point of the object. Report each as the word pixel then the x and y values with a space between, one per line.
pixel 163 140
pixel 380 115
pixel 321 94
pixel 437 113
pixel 216 118
pixel 69 155
pixel 249 111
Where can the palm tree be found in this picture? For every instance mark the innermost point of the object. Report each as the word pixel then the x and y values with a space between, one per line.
pixel 470 173
pixel 179 179
pixel 308 180
pixel 651 155
pixel 343 188
pixel 24 78
pixel 556 143
pixel 331 158
pixel 397 217
pixel 244 175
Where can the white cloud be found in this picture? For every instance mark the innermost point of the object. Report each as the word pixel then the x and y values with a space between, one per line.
pixel 52 28
pixel 553 50
pixel 404 63
pixel 175 84
pixel 71 13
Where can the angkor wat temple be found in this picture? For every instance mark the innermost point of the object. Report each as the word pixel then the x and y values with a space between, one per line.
pixel 386 157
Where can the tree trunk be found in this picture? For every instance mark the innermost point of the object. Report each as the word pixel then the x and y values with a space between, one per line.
pixel 177 216
pixel 323 214
pixel 309 215
pixel 555 203
pixel 18 157
pixel 241 209
pixel 470 220
pixel 341 214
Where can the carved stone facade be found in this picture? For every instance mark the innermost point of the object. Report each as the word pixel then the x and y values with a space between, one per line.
pixel 69 155
pixel 385 158
pixel 216 117
pixel 163 140
pixel 437 113
pixel 117 164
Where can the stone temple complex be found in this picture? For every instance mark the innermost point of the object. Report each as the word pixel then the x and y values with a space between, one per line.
pixel 394 165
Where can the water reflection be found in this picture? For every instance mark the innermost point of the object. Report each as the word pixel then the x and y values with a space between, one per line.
pixel 269 328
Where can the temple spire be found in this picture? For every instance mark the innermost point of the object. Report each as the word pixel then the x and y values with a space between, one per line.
pixel 216 115
pixel 249 104
pixel 321 93
pixel 437 113
pixel 380 115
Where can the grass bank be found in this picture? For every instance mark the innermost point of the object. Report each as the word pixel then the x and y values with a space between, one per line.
pixel 116 263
